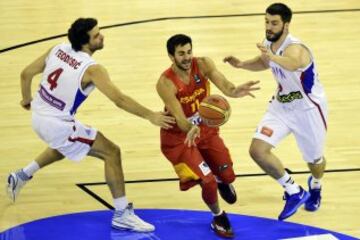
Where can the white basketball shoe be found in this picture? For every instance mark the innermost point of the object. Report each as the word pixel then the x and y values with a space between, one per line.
pixel 15 181
pixel 128 220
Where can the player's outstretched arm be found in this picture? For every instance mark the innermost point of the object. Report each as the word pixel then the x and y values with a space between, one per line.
pixel 100 77
pixel 34 68
pixel 225 86
pixel 255 64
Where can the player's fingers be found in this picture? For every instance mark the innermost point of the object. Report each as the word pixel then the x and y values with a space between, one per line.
pixel 227 58
pixel 170 119
pixel 251 95
pixel 255 82
pixel 166 126
pixel 254 88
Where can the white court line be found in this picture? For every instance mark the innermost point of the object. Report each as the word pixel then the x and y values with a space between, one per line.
pixel 314 237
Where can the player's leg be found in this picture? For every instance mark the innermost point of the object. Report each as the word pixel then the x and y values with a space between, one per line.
pixel 310 137
pixel 106 150
pixel 193 168
pixel 217 156
pixel 124 216
pixel 16 180
pixel 261 153
pixel 269 133
pixel 317 170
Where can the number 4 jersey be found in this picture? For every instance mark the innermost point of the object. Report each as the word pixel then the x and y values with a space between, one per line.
pixel 60 92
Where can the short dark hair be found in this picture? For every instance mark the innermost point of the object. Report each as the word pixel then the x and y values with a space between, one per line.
pixel 176 40
pixel 280 9
pixel 78 32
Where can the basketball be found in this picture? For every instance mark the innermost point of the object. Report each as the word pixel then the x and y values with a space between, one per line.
pixel 214 110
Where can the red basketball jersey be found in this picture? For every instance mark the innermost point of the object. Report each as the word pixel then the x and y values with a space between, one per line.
pixel 190 95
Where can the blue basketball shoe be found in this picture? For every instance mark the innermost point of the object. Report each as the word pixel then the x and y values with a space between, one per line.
pixel 293 202
pixel 313 203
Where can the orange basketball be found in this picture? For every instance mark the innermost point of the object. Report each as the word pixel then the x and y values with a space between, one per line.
pixel 214 110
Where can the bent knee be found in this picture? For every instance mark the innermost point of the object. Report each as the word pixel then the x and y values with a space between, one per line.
pixel 227 175
pixel 258 150
pixel 113 151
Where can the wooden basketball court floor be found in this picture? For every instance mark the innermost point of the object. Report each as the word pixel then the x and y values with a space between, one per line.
pixel 135 56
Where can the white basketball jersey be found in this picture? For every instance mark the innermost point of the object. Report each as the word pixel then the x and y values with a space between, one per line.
pixel 60 92
pixel 299 89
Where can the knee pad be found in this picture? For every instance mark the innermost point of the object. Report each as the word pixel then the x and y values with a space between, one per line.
pixel 226 174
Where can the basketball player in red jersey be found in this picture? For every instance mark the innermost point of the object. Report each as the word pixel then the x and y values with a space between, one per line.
pixel 197 152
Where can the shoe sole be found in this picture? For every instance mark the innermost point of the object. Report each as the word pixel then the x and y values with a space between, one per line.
pixel 221 234
pixel 125 228
pixel 311 209
pixel 306 197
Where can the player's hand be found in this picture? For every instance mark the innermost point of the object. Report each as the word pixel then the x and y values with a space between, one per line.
pixel 233 61
pixel 265 52
pixel 246 89
pixel 26 104
pixel 162 120
pixel 192 135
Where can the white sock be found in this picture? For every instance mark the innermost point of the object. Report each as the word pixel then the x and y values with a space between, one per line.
pixel 288 184
pixel 217 214
pixel 315 183
pixel 32 168
pixel 120 203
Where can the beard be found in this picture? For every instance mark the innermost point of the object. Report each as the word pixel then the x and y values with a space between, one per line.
pixel 180 65
pixel 275 37
pixel 93 48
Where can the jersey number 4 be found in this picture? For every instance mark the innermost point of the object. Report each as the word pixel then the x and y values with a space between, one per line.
pixel 53 77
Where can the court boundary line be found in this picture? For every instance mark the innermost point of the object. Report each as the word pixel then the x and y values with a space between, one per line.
pixel 83 186
pixel 174 18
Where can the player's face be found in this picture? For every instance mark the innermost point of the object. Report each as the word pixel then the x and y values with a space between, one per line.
pixel 274 27
pixel 96 41
pixel 183 56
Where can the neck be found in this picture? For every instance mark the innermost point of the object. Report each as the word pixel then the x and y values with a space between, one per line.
pixel 180 72
pixel 87 50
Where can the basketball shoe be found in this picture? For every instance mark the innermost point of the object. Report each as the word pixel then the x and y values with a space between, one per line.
pixel 293 202
pixel 127 220
pixel 227 192
pixel 221 226
pixel 313 203
pixel 16 180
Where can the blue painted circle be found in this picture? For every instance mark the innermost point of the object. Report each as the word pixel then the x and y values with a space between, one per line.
pixel 170 225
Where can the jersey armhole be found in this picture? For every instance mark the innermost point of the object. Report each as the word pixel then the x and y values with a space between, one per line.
pixel 91 85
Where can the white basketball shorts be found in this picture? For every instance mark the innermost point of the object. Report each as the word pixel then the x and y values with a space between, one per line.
pixel 308 127
pixel 70 137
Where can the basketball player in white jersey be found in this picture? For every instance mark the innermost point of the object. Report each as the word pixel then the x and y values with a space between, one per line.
pixel 298 106
pixel 69 75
